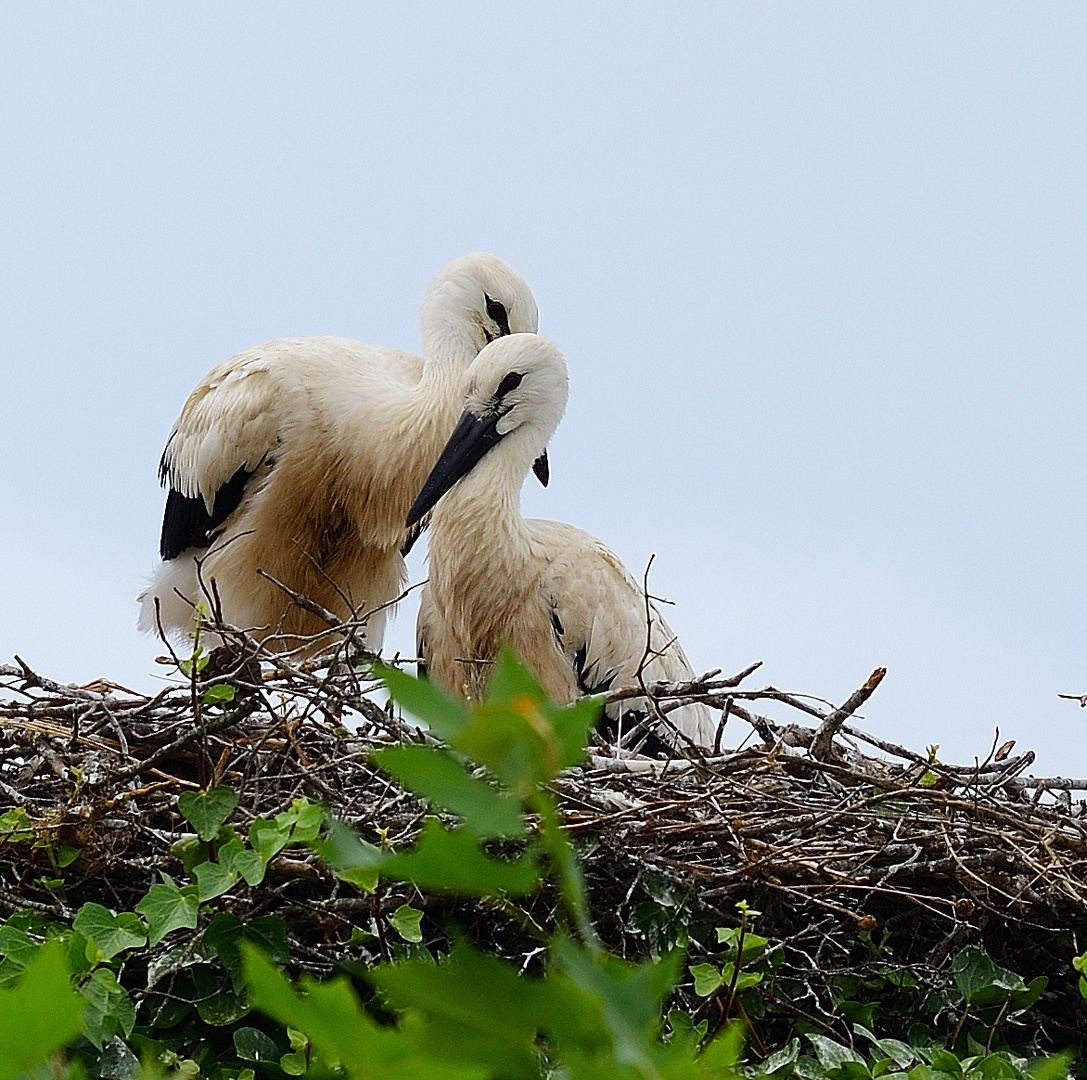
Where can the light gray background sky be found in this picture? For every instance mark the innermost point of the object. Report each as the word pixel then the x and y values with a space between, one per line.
pixel 818 271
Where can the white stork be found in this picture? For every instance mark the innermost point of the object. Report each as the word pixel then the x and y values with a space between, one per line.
pixel 557 595
pixel 300 458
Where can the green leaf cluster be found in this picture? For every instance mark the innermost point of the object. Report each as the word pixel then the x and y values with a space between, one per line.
pixel 192 953
pixel 473 1015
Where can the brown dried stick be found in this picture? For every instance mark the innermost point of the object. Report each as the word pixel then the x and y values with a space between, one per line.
pixel 250 705
pixel 822 746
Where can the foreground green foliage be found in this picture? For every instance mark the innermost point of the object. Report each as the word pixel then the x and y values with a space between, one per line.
pixel 180 983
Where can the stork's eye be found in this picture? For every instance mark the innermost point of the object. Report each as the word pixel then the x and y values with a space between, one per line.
pixel 496 311
pixel 510 382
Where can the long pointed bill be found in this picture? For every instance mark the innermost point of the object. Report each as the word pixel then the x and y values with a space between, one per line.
pixel 471 439
pixel 542 468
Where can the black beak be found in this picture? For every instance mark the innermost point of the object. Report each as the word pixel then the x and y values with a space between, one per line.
pixel 541 468
pixel 471 439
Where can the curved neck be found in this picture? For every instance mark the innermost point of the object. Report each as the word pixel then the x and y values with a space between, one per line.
pixel 452 345
pixel 484 509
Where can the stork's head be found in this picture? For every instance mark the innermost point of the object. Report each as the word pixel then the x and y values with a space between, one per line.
pixel 515 396
pixel 474 300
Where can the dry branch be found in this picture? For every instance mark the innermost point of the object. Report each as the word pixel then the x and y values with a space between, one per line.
pixel 822 746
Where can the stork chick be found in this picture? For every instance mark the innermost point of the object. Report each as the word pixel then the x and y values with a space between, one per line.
pixel 557 595
pixel 300 458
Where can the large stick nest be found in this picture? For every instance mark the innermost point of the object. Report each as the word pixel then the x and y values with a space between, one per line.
pixel 840 849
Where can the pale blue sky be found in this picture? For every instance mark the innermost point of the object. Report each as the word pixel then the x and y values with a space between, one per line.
pixel 818 271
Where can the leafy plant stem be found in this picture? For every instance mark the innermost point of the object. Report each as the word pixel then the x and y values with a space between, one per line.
pixel 953 1038
pixel 760 1046
pixel 566 868
pixel 996 1024
pixel 518 915
pixel 739 962
pixel 379 923
pixel 727 1010
pixel 194 674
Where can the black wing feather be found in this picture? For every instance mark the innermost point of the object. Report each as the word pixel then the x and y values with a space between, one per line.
pixel 186 522
pixel 616 718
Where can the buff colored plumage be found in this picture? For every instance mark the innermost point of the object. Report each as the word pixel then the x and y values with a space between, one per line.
pixel 565 603
pixel 300 457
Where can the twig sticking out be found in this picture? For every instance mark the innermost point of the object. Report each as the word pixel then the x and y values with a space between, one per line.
pixel 304 602
pixel 822 746
pixel 248 706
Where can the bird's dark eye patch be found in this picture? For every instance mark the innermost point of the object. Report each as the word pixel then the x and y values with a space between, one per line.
pixel 510 382
pixel 497 312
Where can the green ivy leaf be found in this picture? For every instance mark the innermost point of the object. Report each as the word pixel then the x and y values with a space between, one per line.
pixel 446 783
pixel 220 692
pixel 207 810
pixel 213 879
pixel 270 933
pixel 190 851
pixel 109 933
pixel 745 980
pixel 40 1015
pixel 754 944
pixel 198 660
pixel 779 1059
pixel 235 856
pixel 166 908
pixel 984 983
pixel 226 932
pixel 269 838
pixel 902 1054
pixel 857 1070
pixel 252 1044
pixel 216 1001
pixel 17 948
pixel 109 1010
pixel 16 826
pixel 406 921
pixel 831 1054
pixel 707 979
pixel 296 1062
pixel 66 855
pixel 304 819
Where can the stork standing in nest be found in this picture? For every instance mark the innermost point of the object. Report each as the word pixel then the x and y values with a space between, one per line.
pixel 300 458
pixel 557 595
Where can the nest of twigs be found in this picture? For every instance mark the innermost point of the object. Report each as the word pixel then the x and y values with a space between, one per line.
pixel 857 860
